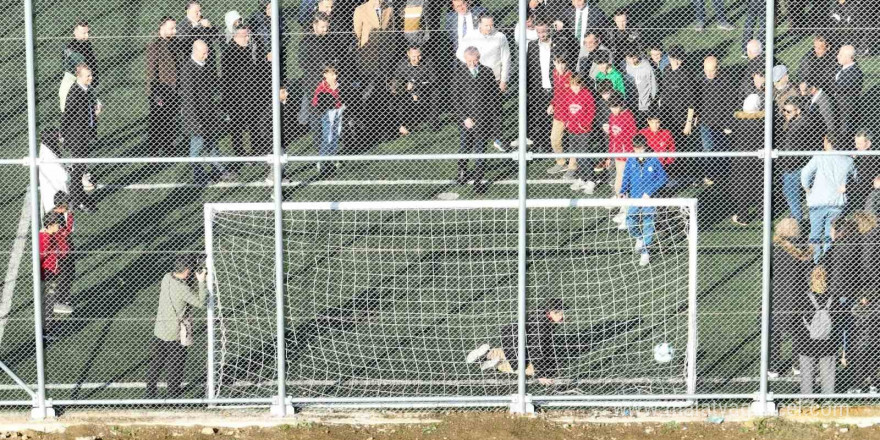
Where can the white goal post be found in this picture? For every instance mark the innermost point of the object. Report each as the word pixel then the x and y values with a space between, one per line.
pixel 383 299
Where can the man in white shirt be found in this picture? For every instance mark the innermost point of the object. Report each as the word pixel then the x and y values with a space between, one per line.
pixel 494 49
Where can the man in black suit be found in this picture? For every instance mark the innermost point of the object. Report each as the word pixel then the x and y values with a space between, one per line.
pixel 847 90
pixel 540 54
pixel 197 85
pixel 79 128
pixel 817 65
pixel 475 103
pixel 195 27
pixel 316 51
pixel 576 22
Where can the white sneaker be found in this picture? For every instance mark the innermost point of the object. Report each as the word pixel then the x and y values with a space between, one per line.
pixel 569 175
pixel 795 371
pixel 490 364
pixel 619 218
pixel 62 309
pixel 772 375
pixel 556 169
pixel 645 259
pixel 640 244
pixel 622 226
pixel 87 183
pixel 590 187
pixel 578 185
pixel 477 353
pixel 497 146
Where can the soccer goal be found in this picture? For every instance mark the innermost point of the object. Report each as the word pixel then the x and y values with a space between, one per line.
pixel 419 299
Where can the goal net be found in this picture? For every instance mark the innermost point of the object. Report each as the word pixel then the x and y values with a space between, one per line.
pixel 395 299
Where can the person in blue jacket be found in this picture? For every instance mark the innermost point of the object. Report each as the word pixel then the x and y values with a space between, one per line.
pixel 642 177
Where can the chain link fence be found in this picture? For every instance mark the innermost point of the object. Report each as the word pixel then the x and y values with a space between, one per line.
pixel 156 130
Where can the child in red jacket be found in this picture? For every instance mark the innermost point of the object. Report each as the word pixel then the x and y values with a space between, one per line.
pixel 660 140
pixel 561 78
pixel 66 262
pixel 50 254
pixel 621 130
pixel 576 107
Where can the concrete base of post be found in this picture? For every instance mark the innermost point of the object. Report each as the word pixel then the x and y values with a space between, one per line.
pixel 768 409
pixel 520 406
pixel 44 413
pixel 282 409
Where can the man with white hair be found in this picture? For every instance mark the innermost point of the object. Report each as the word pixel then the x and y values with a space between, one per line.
pixel 474 101
pixel 847 90
pixel 495 54
pixel 79 129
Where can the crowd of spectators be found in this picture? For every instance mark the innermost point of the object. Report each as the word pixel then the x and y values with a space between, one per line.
pixel 595 84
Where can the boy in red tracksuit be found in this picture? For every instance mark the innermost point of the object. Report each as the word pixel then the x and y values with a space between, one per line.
pixel 50 254
pixel 621 129
pixel 659 140
pixel 561 78
pixel 577 108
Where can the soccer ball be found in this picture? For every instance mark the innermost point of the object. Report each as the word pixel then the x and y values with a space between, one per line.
pixel 663 353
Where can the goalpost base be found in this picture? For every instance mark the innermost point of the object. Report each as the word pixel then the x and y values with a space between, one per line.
pixel 282 409
pixel 45 413
pixel 518 405
pixel 768 409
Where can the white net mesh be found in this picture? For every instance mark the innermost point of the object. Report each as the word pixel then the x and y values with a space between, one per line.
pixel 390 302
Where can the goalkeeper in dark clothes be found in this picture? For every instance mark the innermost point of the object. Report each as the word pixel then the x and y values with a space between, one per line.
pixel 544 348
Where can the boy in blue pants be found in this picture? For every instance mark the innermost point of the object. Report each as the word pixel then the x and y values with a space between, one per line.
pixel 642 177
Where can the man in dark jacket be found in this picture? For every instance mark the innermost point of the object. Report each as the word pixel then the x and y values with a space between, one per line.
pixel 79 128
pixel 867 173
pixel 475 104
pixel 715 113
pixel 195 27
pixel 198 83
pixel 414 85
pixel 817 66
pixel 260 23
pixel 847 91
pixel 163 53
pixel 78 50
pixel 540 54
pixel 243 83
pixel 573 23
pixel 676 98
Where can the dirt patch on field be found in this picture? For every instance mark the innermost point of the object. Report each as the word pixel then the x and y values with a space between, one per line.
pixel 429 426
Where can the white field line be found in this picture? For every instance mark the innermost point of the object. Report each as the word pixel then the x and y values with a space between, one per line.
pixel 9 281
pixel 262 184
pixel 367 382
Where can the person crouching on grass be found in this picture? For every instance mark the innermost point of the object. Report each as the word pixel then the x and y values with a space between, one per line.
pixel 541 359
pixel 642 177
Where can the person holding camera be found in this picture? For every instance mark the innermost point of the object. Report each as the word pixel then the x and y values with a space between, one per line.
pixel 173 329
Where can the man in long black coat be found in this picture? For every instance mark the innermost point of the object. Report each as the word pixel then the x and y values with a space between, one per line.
pixel 79 128
pixel 847 91
pixel 476 103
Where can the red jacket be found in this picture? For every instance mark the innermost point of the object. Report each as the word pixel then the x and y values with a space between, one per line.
pixel 576 111
pixel 660 142
pixel 324 88
pixel 560 86
pixel 621 130
pixel 49 254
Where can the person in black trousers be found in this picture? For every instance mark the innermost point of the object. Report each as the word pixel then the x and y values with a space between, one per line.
pixel 475 102
pixel 163 52
pixel 79 128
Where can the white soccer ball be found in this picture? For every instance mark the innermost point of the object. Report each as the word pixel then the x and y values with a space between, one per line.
pixel 663 353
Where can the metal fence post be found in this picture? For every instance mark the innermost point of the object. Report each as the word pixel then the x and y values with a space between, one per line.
pixel 41 409
pixel 520 402
pixel 762 406
pixel 280 406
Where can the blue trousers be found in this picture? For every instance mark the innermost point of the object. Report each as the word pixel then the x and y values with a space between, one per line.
pixel 820 228
pixel 640 224
pixel 330 133
pixel 198 144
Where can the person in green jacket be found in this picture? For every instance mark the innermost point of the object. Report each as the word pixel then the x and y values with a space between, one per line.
pixel 606 71
pixel 176 296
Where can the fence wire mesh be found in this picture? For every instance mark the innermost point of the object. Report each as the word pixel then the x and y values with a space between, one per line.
pixel 169 80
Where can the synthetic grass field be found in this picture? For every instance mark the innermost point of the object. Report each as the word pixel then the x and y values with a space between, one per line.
pixel 102 349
